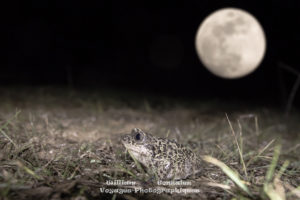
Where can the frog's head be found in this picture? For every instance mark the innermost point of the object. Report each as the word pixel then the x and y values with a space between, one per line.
pixel 140 145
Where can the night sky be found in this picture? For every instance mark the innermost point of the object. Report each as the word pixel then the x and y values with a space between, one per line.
pixel 143 46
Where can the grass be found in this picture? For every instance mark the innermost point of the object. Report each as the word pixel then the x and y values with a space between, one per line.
pixel 66 144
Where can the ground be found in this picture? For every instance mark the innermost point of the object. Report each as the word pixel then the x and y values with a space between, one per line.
pixel 61 143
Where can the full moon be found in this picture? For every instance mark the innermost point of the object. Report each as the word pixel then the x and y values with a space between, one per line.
pixel 231 43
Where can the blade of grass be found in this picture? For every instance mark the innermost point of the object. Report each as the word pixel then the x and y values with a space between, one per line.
pixel 272 167
pixel 114 197
pixel 5 135
pixel 241 138
pixel 275 190
pixel 219 185
pixel 229 172
pixel 238 146
pixel 293 190
pixel 227 188
pixel 282 169
pixel 271 192
pixel 293 148
pixel 278 187
pixel 168 133
pixel 5 125
pixel 147 106
pixel 9 120
pixel 27 170
pixel 260 152
pixel 256 126
pixel 126 171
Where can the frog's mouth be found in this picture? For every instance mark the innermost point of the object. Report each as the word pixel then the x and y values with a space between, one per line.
pixel 132 151
pixel 136 153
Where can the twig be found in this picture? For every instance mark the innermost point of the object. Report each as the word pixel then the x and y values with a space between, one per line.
pixel 295 87
pixel 292 96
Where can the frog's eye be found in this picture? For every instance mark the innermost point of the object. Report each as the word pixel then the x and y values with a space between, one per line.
pixel 138 136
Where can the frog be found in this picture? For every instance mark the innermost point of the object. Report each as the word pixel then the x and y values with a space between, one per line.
pixel 165 158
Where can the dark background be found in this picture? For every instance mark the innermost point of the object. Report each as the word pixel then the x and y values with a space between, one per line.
pixel 141 46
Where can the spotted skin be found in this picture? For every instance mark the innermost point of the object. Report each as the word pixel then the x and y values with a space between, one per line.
pixel 165 158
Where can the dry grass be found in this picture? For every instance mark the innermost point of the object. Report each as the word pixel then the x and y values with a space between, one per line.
pixel 60 144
